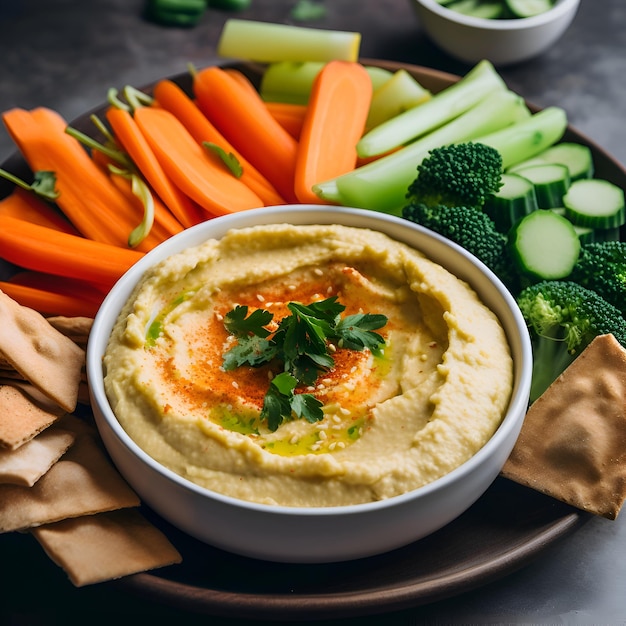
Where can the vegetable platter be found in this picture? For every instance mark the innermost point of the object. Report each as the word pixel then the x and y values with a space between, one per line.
pixel 507 528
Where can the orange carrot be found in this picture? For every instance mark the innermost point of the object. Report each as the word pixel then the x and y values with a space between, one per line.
pixel 134 143
pixel 289 116
pixel 197 172
pixel 27 206
pixel 56 294
pixel 242 117
pixel 49 302
pixel 47 250
pixel 335 120
pixel 172 98
pixel 87 197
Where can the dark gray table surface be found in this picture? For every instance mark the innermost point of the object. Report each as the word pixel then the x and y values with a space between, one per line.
pixel 65 54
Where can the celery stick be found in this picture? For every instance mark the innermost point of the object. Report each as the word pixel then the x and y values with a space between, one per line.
pixel 444 106
pixel 382 185
pixel 528 138
pixel 266 42
pixel 289 81
pixel 400 93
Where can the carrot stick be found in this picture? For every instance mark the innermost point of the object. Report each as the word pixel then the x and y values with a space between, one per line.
pixel 165 224
pixel 49 302
pixel 197 172
pixel 245 121
pixel 289 116
pixel 134 143
pixel 87 197
pixel 172 98
pixel 47 250
pixel 25 205
pixel 334 122
pixel 80 294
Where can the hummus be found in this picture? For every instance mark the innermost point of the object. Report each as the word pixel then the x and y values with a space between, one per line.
pixel 393 421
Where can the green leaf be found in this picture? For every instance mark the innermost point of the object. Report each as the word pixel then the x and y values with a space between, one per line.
pixel 356 331
pixel 228 158
pixel 239 323
pixel 307 406
pixel 43 183
pixel 250 350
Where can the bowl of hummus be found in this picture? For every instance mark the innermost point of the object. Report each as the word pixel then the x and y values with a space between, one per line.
pixel 309 384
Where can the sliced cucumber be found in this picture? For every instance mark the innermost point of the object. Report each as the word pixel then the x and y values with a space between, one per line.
pixel 491 9
pixel 544 245
pixel 528 8
pixel 551 181
pixel 515 199
pixel 576 156
pixel 595 203
pixel 585 234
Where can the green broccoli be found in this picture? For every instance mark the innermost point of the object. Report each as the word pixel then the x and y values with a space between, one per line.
pixel 462 174
pixel 563 318
pixel 601 266
pixel 471 229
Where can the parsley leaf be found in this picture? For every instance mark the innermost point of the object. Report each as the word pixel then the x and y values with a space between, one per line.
pixel 301 342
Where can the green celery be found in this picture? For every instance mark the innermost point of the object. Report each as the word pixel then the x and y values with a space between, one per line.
pixel 443 107
pixel 528 138
pixel 382 184
pixel 267 42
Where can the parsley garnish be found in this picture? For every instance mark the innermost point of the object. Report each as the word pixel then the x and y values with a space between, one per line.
pixel 301 342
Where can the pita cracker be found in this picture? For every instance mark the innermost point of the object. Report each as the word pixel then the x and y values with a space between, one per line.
pixel 76 328
pixel 26 465
pixel 24 413
pixel 44 356
pixel 572 445
pixel 82 482
pixel 97 548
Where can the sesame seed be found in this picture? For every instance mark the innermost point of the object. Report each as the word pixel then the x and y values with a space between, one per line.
pixel 332 446
pixel 332 347
pixel 218 316
pixel 260 297
pixel 336 419
pixel 323 434
pixel 318 272
pixel 344 411
pixel 293 440
pixel 329 290
pixel 336 426
pixel 291 287
pixel 341 444
pixel 235 384
pixel 327 381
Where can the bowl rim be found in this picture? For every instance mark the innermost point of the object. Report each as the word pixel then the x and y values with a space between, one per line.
pixel 107 314
pixel 560 9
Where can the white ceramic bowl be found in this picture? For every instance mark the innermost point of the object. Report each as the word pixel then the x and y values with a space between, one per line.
pixel 301 535
pixel 502 42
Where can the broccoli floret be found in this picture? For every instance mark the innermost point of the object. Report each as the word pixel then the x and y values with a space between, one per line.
pixel 563 318
pixel 471 229
pixel 462 174
pixel 601 266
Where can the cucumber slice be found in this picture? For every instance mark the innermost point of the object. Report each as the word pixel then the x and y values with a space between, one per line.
pixel 477 8
pixel 544 245
pixel 595 203
pixel 515 199
pixel 585 234
pixel 528 8
pixel 575 156
pixel 551 181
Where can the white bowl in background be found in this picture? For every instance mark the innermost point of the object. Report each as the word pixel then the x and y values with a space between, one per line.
pixel 321 534
pixel 501 41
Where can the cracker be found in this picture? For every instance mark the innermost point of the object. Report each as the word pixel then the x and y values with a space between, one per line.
pixel 76 328
pixel 97 548
pixel 82 482
pixel 24 413
pixel 26 465
pixel 44 356
pixel 572 445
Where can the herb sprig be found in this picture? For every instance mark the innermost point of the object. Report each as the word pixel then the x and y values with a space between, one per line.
pixel 302 342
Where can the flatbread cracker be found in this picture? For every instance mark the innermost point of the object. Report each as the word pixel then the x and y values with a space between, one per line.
pixel 97 548
pixel 44 356
pixel 26 465
pixel 572 445
pixel 82 482
pixel 24 413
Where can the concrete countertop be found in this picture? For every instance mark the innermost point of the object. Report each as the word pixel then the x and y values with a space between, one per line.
pixel 65 54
